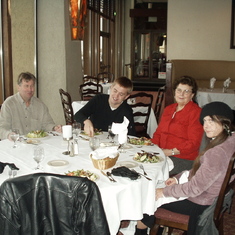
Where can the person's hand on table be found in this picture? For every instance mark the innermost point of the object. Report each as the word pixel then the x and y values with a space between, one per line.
pixel 168 152
pixel 57 128
pixel 159 193
pixel 88 128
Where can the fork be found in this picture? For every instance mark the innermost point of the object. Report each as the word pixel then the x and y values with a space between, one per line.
pixel 142 168
pixel 110 178
pixel 110 175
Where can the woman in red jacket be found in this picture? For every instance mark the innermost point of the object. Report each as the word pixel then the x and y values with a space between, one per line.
pixel 179 133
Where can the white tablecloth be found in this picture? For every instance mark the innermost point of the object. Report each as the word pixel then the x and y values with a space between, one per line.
pixel 124 200
pixel 152 123
pixel 205 96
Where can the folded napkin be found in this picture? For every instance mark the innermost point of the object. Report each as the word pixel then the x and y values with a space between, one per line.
pixel 212 82
pixel 101 153
pixel 121 130
pixel 125 172
pixel 227 82
pixel 165 200
pixel 11 165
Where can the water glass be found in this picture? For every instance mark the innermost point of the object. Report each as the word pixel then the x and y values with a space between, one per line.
pixel 76 129
pixel 14 135
pixel 94 143
pixel 38 156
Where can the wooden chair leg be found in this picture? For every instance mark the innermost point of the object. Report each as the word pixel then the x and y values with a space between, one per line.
pixel 154 229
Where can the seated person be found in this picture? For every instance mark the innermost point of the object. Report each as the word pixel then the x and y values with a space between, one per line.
pixel 102 110
pixel 179 133
pixel 25 112
pixel 208 172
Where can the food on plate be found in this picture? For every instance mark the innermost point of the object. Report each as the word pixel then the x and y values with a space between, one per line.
pixel 140 141
pixel 37 134
pixel 96 132
pixel 83 173
pixel 146 157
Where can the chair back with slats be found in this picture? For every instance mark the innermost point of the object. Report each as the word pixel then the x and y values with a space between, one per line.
pixel 89 90
pixel 159 103
pixel 89 78
pixel 105 77
pixel 67 106
pixel 141 104
pixel 179 221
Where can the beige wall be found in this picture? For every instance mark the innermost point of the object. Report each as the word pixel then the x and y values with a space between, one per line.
pixel 23 37
pixel 59 58
pixel 199 30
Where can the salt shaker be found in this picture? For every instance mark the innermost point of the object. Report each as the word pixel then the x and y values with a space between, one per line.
pixel 71 148
pixel 75 146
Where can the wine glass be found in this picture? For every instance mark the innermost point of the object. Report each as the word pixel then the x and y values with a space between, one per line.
pixel 14 135
pixel 76 129
pixel 111 134
pixel 94 143
pixel 38 156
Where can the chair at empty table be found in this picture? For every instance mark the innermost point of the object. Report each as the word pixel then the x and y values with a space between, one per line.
pixel 89 90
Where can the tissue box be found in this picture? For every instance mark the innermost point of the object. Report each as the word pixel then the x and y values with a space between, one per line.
pixel 104 163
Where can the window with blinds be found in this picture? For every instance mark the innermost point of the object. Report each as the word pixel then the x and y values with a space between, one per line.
pixel 106 8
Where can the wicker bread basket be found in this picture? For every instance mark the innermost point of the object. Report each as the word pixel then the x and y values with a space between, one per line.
pixel 104 163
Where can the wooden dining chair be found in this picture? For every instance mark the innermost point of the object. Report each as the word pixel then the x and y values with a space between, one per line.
pixel 89 78
pixel 141 104
pixel 67 106
pixel 105 77
pixel 89 90
pixel 174 220
pixel 159 103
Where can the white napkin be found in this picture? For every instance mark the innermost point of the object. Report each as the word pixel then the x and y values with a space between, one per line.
pixel 212 82
pixel 165 200
pixel 102 153
pixel 121 130
pixel 227 82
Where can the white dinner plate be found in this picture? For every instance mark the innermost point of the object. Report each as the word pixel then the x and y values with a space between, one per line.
pixel 127 164
pixel 58 163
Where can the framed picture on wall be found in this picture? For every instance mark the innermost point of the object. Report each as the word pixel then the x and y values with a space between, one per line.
pixel 232 43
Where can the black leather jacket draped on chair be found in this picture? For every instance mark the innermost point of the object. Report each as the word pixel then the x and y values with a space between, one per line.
pixel 49 204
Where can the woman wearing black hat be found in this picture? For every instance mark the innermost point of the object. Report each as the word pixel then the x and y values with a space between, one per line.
pixel 209 169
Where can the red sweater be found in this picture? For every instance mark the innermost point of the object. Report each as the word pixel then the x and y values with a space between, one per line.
pixel 181 130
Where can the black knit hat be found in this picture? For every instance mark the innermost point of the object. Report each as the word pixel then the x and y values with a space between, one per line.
pixel 216 108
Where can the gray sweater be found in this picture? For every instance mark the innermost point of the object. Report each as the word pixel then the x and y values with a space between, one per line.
pixel 15 114
pixel 205 185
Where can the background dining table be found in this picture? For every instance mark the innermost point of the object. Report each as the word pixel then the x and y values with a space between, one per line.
pixel 152 122
pixel 124 200
pixel 205 96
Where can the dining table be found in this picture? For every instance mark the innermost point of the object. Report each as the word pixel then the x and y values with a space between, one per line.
pixel 152 122
pixel 205 96
pixel 124 199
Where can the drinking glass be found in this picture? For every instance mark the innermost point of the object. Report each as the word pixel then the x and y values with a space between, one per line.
pixel 111 134
pixel 14 136
pixel 76 129
pixel 38 156
pixel 94 143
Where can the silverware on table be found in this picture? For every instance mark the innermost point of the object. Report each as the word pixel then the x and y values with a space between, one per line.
pixel 110 175
pixel 142 168
pixel 110 178
pixel 142 175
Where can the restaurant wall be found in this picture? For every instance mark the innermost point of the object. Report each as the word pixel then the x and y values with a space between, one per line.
pixel 23 38
pixel 59 58
pixel 199 30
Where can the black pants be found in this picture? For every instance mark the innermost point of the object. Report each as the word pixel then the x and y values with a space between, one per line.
pixel 185 207
pixel 180 165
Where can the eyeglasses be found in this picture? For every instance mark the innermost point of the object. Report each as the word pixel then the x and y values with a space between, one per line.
pixel 179 91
